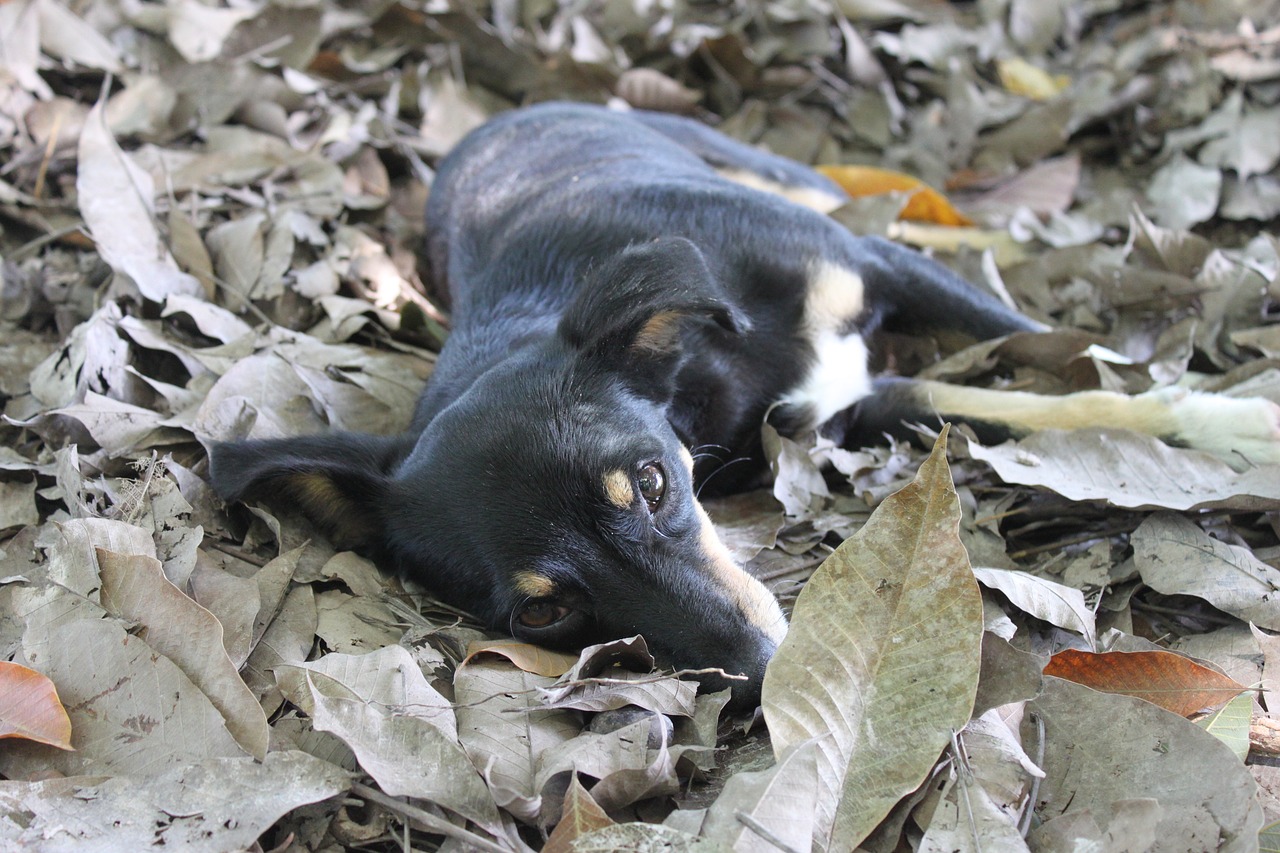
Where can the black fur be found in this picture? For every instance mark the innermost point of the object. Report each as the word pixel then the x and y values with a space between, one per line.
pixel 614 301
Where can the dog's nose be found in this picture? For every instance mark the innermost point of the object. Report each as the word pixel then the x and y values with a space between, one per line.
pixel 746 689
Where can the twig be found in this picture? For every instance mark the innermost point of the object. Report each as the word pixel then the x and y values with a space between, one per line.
pixel 238 553
pixel 1025 825
pixel 434 824
pixel 758 828
pixel 1104 533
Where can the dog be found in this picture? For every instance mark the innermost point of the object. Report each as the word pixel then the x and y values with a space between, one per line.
pixel 632 294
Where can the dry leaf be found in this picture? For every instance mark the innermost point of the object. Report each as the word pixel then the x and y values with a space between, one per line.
pixel 116 200
pixel 1173 682
pixel 1054 603
pixel 135 588
pixel 530 658
pixel 1129 470
pixel 1101 748
pixel 580 815
pixel 882 658
pixel 1176 557
pixel 924 203
pixel 216 804
pixel 29 707
pixel 1022 78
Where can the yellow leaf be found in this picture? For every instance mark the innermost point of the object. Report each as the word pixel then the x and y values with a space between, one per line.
pixel 1022 78
pixel 924 205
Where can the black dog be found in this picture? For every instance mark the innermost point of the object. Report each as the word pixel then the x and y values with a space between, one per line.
pixel 625 296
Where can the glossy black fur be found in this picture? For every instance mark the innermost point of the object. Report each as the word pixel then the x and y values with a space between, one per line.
pixel 614 299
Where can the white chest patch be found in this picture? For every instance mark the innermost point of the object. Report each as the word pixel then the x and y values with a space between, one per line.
pixel 839 377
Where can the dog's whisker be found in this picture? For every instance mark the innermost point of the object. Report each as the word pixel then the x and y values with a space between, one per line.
pixel 515 611
pixel 698 492
pixel 701 447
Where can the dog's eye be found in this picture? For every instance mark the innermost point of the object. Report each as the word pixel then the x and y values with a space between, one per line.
pixel 541 614
pixel 652 482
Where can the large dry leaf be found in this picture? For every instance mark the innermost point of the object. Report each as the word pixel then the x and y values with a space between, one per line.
pixel 287 639
pixel 72 550
pixel 968 819
pixel 20 46
pixel 133 711
pixel 1173 682
pixel 1122 826
pixel 1101 748
pixel 213 805
pixel 640 838
pixel 1053 602
pixel 505 731
pixel 66 36
pixel 778 800
pixel 407 755
pixel 881 662
pixel 116 201
pixel 1175 557
pixel 29 707
pixel 134 588
pixel 627 774
pixel 1129 470
pixel 388 679
pixel 233 601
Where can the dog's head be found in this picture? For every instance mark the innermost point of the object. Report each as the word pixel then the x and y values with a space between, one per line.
pixel 552 498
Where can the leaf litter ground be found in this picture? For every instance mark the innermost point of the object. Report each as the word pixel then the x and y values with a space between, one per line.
pixel 225 246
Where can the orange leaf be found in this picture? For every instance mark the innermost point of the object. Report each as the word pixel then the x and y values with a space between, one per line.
pixel 581 815
pixel 29 707
pixel 925 205
pixel 529 658
pixel 1171 681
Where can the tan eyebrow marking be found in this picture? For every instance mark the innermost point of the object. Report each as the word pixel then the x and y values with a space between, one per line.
pixel 618 488
pixel 534 585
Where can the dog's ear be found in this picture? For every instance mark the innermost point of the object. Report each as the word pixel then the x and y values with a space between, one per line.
pixel 340 481
pixel 634 305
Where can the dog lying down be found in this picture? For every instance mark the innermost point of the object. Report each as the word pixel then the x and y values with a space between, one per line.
pixel 630 290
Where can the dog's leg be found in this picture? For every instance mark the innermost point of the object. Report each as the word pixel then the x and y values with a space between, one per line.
pixel 1243 432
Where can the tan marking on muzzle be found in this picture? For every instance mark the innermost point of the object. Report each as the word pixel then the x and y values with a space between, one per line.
pixel 750 596
pixel 618 489
pixel 533 584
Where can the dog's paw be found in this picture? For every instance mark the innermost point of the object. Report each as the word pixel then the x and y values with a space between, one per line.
pixel 1244 432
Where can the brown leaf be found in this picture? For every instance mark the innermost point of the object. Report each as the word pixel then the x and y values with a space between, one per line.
pixel 581 815
pixel 29 707
pixel 1169 680
pixel 527 657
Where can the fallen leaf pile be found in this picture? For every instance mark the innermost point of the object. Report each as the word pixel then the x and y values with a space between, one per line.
pixel 210 218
